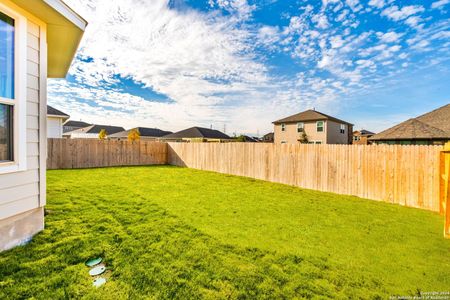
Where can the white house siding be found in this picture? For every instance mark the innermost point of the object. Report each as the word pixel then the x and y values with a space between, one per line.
pixel 54 127
pixel 19 191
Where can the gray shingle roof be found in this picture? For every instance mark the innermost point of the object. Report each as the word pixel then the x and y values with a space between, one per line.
pixel 55 112
pixel 109 129
pixel 432 125
pixel 96 129
pixel 79 124
pixel 197 132
pixel 363 132
pixel 366 132
pixel 143 131
pixel 309 115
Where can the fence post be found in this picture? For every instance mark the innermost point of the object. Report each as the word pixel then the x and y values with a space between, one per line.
pixel 446 190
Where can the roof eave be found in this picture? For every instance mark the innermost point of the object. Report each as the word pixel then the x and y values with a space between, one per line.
pixel 58 116
pixel 297 121
pixel 68 13
pixel 406 138
pixel 65 29
pixel 318 119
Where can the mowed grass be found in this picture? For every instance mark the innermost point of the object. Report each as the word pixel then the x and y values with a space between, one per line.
pixel 168 232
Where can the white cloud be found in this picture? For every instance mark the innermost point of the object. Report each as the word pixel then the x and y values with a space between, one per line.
pixel 336 41
pixel 395 13
pixel 354 5
pixel 365 63
pixel 269 35
pixel 240 7
pixel 439 4
pixel 342 16
pixel 389 37
pixel 441 35
pixel 321 21
pixel 326 2
pixel 377 3
pixel 325 61
pixel 414 22
pixel 421 45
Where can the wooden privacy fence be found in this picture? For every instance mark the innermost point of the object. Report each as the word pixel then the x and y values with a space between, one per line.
pixel 406 175
pixel 445 187
pixel 92 153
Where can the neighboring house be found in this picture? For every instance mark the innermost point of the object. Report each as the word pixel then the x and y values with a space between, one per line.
pixel 74 125
pixel 55 120
pixel 197 134
pixel 38 39
pixel 268 138
pixel 360 137
pixel 432 128
pixel 145 133
pixel 92 132
pixel 317 127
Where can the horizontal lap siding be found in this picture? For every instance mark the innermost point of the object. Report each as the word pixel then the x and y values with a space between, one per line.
pixel 19 191
pixel 405 175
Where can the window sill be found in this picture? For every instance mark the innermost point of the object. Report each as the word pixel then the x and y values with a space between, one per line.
pixel 10 167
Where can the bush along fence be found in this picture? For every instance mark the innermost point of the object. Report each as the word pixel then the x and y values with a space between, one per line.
pixel 93 153
pixel 415 176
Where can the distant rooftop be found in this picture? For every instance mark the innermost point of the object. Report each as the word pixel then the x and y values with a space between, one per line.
pixel 197 132
pixel 143 131
pixel 309 115
pixel 55 112
pixel 364 132
pixel 432 125
pixel 79 124
pixel 96 129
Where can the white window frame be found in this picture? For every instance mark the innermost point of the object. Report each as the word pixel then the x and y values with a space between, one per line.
pixel 19 102
pixel 323 126
pixel 283 127
pixel 300 125
pixel 342 128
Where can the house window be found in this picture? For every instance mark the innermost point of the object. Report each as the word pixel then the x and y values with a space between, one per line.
pixel 6 87
pixel 13 78
pixel 283 127
pixel 319 126
pixel 342 129
pixel 300 127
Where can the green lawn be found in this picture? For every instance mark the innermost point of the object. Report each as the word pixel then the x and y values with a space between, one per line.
pixel 168 232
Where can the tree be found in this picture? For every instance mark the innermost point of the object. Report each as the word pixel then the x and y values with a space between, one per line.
pixel 240 139
pixel 134 135
pixel 304 138
pixel 102 134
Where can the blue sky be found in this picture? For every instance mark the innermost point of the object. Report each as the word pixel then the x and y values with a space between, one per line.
pixel 243 64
